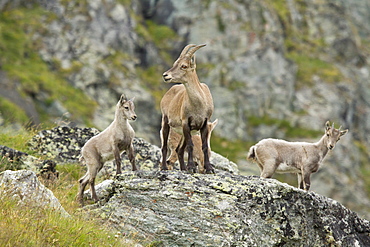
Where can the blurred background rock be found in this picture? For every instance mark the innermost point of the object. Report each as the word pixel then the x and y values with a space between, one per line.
pixel 275 69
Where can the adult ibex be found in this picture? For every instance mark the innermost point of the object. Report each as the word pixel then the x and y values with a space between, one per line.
pixel 302 158
pixel 186 108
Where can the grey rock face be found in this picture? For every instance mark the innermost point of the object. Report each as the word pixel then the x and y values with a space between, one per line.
pixel 64 144
pixel 24 187
pixel 225 210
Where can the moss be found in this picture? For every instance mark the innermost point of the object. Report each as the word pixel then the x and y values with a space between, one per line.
pixel 303 49
pixel 162 36
pixel 19 58
pixel 364 168
pixel 285 126
pixel 152 79
pixel 220 23
pixel 236 85
pixel 232 150
pixel 310 66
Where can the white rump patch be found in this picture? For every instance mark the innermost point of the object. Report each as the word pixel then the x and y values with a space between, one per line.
pixel 285 168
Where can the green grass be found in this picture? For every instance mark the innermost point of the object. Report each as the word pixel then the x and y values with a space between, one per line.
pixel 364 168
pixel 153 82
pixel 162 36
pixel 20 59
pixel 11 113
pixel 36 226
pixel 285 126
pixel 17 140
pixel 232 150
pixel 303 49
pixel 310 66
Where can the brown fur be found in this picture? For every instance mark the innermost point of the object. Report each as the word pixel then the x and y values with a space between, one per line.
pixel 174 141
pixel 186 108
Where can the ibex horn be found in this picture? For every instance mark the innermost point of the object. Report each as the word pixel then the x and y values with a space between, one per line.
pixel 332 126
pixel 186 49
pixel 192 51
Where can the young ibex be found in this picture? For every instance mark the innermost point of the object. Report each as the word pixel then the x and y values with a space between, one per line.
pixel 187 109
pixel 302 158
pixel 109 145
pixel 174 141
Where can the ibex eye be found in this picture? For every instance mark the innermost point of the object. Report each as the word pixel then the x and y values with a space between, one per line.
pixel 126 108
pixel 184 66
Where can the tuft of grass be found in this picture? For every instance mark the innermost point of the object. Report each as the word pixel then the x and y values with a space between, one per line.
pixel 37 226
pixel 18 140
pixel 66 187
pixel 11 112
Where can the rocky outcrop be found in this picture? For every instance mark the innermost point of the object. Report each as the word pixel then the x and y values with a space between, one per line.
pixel 275 69
pixel 178 209
pixel 174 208
pixel 17 160
pixel 64 144
pixel 24 187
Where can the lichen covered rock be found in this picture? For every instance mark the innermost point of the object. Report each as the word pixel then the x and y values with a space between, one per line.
pixel 17 160
pixel 180 209
pixel 64 144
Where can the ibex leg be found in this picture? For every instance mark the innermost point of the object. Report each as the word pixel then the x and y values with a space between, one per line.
pixel 165 130
pixel 204 133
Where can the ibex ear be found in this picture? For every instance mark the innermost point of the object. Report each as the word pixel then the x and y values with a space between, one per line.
pixel 343 132
pixel 327 125
pixel 123 99
pixel 214 123
pixel 192 62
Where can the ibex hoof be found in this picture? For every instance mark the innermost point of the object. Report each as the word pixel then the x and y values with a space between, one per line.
pixel 211 171
pixel 191 169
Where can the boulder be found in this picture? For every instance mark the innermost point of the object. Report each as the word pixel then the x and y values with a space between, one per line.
pixel 179 209
pixel 24 187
